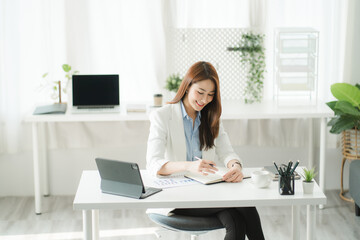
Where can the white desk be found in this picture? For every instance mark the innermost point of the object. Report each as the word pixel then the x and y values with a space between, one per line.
pixel 232 110
pixel 90 200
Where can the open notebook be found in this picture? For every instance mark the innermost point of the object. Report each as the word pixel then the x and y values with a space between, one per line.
pixel 211 177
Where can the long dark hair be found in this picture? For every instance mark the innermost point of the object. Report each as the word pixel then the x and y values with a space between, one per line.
pixel 210 114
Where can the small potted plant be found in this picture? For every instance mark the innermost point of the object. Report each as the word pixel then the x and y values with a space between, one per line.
pixel 173 82
pixel 308 182
pixel 60 85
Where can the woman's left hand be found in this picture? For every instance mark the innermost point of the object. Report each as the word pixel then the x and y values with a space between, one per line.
pixel 234 174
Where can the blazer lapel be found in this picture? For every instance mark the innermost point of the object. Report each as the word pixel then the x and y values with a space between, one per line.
pixel 177 133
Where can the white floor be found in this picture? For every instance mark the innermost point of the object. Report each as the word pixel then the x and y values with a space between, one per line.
pixel 60 221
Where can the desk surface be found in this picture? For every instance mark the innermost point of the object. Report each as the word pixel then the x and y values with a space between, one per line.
pixel 231 110
pixel 89 195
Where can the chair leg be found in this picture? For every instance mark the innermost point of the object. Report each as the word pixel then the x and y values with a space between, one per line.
pixel 194 237
pixel 342 191
pixel 357 210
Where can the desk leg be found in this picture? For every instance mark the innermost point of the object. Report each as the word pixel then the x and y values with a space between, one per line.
pixel 322 156
pixel 311 144
pixel 310 221
pixel 95 224
pixel 295 222
pixel 87 224
pixel 44 158
pixel 36 161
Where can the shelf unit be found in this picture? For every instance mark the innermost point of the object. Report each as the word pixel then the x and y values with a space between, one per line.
pixel 296 64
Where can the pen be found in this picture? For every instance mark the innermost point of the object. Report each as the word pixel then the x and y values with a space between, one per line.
pixel 197 158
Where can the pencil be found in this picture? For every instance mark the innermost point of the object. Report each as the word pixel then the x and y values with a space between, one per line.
pixel 277 169
pixel 296 164
pixel 288 169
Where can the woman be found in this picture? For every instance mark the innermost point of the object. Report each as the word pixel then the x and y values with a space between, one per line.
pixel 186 135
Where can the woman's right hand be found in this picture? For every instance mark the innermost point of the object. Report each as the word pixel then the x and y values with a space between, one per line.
pixel 202 166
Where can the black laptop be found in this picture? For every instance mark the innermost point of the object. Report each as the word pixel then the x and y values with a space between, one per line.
pixel 95 93
pixel 122 178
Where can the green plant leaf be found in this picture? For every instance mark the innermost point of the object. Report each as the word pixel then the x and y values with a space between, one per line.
pixel 342 123
pixel 347 108
pixel 66 67
pixel 333 121
pixel 332 105
pixel 44 75
pixel 346 92
pixel 309 174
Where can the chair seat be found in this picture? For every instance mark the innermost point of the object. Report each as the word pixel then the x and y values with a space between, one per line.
pixel 186 223
pixel 354 188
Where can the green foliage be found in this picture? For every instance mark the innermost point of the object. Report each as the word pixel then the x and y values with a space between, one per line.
pixel 173 82
pixel 346 109
pixel 309 174
pixel 252 55
pixel 55 84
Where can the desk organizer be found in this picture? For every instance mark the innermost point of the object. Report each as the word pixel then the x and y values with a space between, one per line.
pixel 296 64
pixel 287 185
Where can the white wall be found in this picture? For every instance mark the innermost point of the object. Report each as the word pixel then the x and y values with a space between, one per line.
pixel 66 165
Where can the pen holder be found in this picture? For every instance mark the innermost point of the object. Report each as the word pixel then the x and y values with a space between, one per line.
pixel 287 185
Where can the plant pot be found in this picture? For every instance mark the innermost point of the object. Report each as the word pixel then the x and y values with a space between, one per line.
pixel 351 151
pixel 308 187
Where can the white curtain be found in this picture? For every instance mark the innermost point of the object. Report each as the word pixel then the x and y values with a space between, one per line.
pixel 128 37
pixel 351 69
pixel 94 37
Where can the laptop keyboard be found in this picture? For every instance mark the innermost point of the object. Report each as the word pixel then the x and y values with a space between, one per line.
pixel 96 107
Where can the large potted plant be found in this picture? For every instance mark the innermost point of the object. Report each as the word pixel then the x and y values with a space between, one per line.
pixel 346 122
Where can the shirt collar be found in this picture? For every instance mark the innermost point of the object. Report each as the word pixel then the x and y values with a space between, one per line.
pixel 184 113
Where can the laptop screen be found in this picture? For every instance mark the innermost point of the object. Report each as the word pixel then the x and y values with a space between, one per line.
pixel 95 90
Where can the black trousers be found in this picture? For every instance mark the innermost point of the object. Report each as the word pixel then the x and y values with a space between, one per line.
pixel 238 222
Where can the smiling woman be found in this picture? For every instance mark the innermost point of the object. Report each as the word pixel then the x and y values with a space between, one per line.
pixel 189 128
pixel 199 87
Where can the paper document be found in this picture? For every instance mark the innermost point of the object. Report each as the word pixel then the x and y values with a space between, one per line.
pixel 172 181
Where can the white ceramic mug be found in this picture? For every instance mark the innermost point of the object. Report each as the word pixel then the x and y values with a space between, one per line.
pixel 261 179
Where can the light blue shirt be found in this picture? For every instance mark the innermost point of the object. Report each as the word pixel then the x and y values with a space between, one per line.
pixel 191 135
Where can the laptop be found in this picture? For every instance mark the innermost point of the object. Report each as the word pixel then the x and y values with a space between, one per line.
pixel 123 178
pixel 95 93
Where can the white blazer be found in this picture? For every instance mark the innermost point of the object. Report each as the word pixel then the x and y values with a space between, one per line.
pixel 167 143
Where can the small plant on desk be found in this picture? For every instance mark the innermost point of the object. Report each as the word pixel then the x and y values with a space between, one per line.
pixel 173 82
pixel 308 183
pixel 56 86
